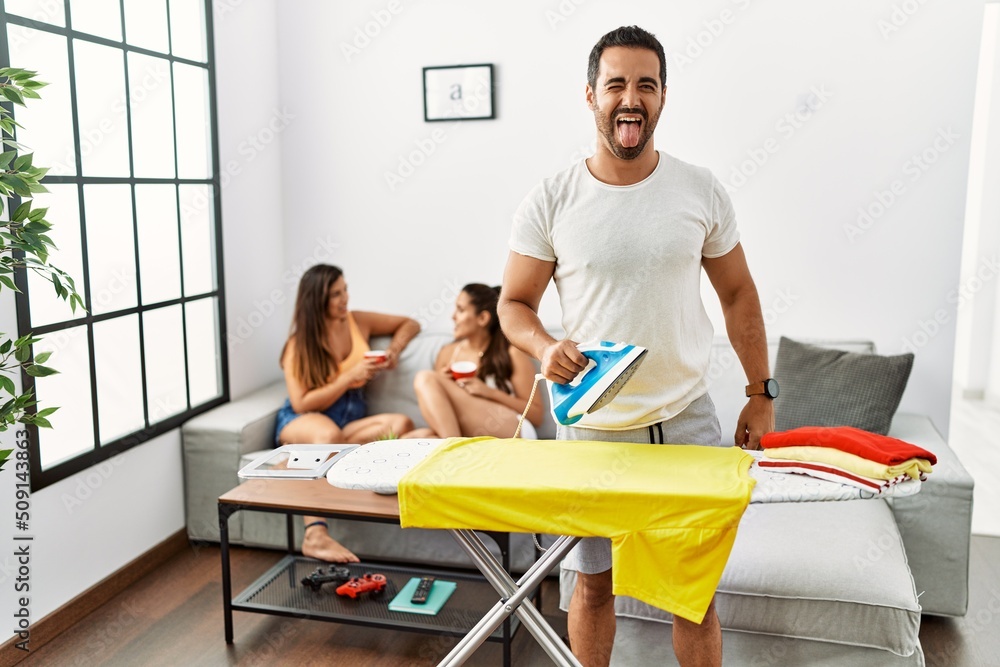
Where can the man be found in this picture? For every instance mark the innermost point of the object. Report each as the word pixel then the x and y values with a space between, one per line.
pixel 625 234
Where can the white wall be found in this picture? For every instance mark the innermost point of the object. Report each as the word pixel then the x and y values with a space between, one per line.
pixel 885 85
pixel 253 121
pixel 90 525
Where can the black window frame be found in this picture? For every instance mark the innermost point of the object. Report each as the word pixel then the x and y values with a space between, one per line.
pixel 42 478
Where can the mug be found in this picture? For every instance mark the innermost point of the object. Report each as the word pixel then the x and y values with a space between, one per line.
pixel 461 370
pixel 378 356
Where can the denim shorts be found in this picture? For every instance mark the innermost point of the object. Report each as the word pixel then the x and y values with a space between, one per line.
pixel 697 424
pixel 346 409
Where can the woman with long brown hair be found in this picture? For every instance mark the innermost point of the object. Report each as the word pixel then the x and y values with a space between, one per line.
pixel 326 371
pixel 490 402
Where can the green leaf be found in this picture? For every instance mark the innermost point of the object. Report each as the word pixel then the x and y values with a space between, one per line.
pixel 42 358
pixel 37 216
pixel 35 370
pixel 17 184
pixel 22 211
pixel 22 353
pixel 12 94
pixel 41 422
pixel 23 161
pixel 7 344
pixel 29 93
pixel 6 157
pixel 7 384
pixel 8 283
pixel 46 412
pixel 26 339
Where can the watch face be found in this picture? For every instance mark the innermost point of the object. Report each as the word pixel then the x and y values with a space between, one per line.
pixel 771 388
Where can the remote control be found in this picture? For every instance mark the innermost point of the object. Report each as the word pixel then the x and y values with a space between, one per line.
pixel 423 590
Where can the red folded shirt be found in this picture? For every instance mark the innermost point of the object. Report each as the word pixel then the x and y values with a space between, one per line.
pixel 872 446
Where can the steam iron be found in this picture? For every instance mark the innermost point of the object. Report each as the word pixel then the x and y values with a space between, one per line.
pixel 609 367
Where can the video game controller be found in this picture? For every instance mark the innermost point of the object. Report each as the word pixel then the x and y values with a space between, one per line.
pixel 336 574
pixel 373 583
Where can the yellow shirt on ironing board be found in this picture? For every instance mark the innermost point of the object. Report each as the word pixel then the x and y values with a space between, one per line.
pixel 671 512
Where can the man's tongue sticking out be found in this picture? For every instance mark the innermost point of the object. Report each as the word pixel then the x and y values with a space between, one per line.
pixel 628 133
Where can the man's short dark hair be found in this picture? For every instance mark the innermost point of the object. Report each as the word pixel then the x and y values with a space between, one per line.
pixel 632 37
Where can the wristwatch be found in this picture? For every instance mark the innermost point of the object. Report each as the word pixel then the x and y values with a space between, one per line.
pixel 768 387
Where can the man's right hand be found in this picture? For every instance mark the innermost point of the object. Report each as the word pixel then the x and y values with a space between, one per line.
pixel 562 361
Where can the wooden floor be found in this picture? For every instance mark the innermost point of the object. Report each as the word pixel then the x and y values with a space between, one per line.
pixel 175 618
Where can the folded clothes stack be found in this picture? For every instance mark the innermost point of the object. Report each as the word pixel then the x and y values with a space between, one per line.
pixel 846 455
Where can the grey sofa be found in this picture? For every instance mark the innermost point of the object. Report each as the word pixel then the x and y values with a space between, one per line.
pixel 807 583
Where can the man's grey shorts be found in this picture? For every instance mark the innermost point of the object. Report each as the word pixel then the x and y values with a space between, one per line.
pixel 697 424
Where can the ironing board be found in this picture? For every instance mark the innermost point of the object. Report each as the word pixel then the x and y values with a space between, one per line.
pixel 382 465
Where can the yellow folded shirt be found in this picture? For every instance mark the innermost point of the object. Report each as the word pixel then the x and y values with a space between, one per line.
pixel 850 462
pixel 671 511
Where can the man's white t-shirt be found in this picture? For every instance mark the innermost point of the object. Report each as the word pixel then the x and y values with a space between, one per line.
pixel 628 269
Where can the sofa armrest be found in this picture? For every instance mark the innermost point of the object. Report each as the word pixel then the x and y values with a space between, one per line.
pixel 212 444
pixel 936 524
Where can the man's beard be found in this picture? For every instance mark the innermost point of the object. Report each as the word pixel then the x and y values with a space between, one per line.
pixel 608 128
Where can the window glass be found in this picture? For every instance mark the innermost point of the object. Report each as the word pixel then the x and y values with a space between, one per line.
pixel 159 248
pixel 101 109
pixel 64 214
pixel 126 132
pixel 47 124
pixel 187 29
pixel 72 431
pixel 152 116
pixel 194 145
pixel 44 11
pixel 102 18
pixel 146 24
pixel 163 341
pixel 119 377
pixel 110 247
pixel 204 367
pixel 197 239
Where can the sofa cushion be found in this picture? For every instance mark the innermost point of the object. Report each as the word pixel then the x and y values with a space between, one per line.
pixel 726 378
pixel 392 391
pixel 824 387
pixel 825 571
pixel 639 642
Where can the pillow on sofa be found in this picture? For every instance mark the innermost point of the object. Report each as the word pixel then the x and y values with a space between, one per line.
pixel 826 387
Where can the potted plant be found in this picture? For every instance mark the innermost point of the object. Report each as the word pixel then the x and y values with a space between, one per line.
pixel 24 246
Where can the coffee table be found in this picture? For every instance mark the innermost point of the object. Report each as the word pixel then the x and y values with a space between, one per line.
pixel 279 591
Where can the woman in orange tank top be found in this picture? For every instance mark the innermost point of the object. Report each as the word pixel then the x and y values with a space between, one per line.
pixel 326 371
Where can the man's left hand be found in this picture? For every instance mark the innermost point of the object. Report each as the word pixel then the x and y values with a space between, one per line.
pixel 756 419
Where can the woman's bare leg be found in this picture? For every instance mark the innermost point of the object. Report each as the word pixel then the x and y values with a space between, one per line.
pixel 377 427
pixel 420 434
pixel 435 403
pixel 314 428
pixel 446 406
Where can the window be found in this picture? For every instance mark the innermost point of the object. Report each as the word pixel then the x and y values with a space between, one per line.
pixel 127 128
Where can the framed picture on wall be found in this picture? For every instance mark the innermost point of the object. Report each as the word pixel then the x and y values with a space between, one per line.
pixel 458 92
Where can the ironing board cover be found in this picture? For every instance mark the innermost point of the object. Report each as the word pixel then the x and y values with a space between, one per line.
pixel 671 512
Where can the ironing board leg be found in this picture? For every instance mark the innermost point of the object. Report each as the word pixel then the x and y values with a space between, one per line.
pixel 529 615
pixel 512 595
